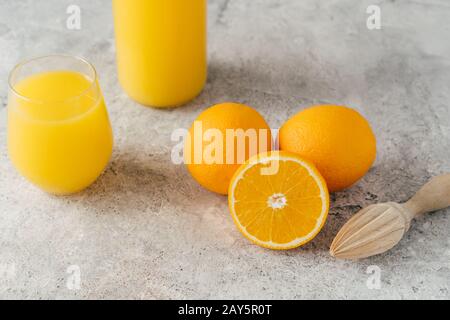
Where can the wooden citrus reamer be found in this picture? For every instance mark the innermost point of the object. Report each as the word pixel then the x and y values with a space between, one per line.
pixel 379 227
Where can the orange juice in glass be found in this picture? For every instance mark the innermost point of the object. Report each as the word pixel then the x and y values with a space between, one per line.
pixel 161 49
pixel 59 134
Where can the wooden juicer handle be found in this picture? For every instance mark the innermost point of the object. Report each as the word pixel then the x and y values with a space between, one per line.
pixel 433 196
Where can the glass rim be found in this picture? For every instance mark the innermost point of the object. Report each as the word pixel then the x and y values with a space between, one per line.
pixel 92 82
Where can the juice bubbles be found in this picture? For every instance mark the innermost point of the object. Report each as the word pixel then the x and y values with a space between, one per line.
pixel 161 49
pixel 59 135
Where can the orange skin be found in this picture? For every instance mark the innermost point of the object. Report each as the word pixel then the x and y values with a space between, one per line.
pixel 338 140
pixel 216 177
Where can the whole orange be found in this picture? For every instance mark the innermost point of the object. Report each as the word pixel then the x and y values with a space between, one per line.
pixel 222 138
pixel 337 139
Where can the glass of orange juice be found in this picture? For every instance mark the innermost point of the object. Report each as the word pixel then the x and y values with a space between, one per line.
pixel 59 134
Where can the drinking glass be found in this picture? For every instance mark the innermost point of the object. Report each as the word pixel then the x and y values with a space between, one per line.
pixel 59 134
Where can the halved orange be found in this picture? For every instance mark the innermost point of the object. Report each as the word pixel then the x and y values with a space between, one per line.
pixel 278 200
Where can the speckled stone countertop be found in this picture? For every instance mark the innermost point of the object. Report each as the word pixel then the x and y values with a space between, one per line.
pixel 145 229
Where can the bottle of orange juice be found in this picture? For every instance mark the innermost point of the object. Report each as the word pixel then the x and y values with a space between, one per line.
pixel 161 49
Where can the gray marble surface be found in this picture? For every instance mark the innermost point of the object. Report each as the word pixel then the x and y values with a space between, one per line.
pixel 146 230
